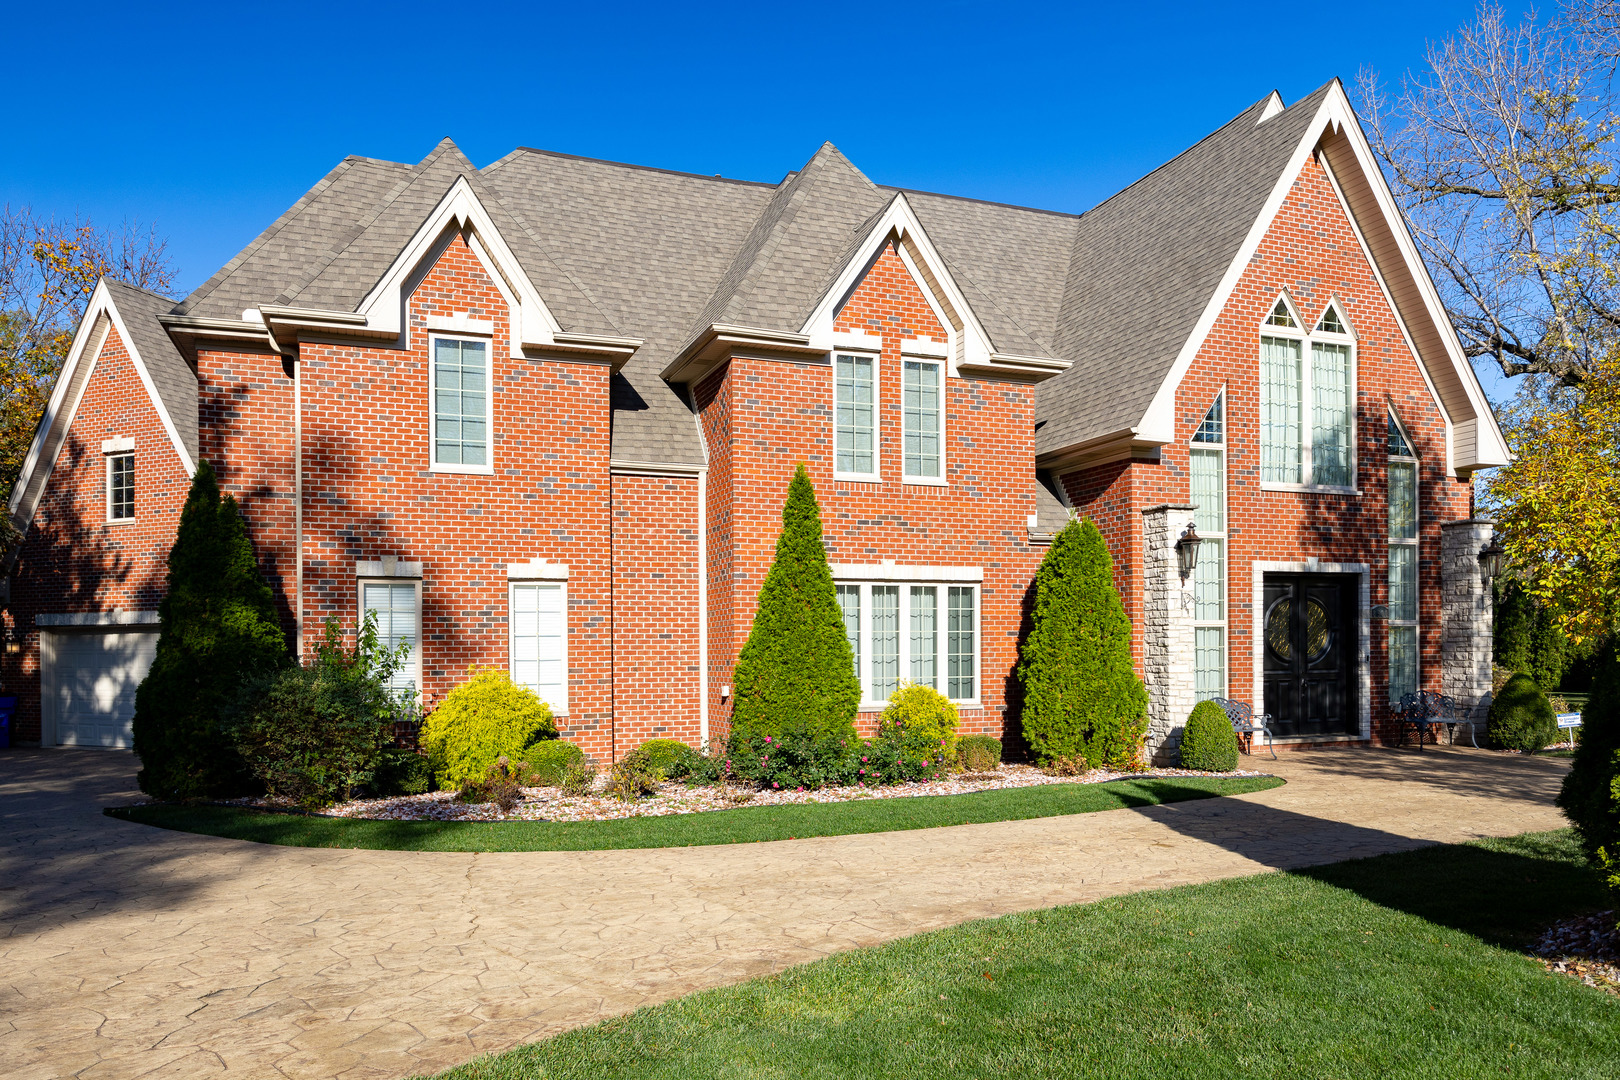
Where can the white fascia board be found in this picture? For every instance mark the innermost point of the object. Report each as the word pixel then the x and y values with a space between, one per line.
pixel 1489 430
pixel 1158 424
pixel 532 322
pixel 99 302
pixel 969 342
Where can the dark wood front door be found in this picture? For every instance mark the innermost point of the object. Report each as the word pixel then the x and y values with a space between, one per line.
pixel 1309 633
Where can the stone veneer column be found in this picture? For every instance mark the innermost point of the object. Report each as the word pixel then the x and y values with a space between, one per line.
pixel 1465 618
pixel 1167 632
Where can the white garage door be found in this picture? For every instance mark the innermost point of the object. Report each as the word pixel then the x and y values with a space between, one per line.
pixel 93 678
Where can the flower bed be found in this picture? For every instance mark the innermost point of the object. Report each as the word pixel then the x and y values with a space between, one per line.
pixel 1586 948
pixel 549 804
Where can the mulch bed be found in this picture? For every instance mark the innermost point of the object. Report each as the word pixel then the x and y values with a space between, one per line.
pixel 1587 948
pixel 549 804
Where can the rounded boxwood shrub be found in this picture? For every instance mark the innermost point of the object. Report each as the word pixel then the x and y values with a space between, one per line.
pixel 548 760
pixel 1590 797
pixel 1521 717
pixel 979 753
pixel 670 758
pixel 920 722
pixel 1208 743
pixel 482 719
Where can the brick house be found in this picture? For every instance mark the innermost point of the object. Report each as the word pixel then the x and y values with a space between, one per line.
pixel 542 416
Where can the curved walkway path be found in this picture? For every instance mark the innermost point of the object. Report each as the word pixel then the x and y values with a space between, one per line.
pixel 130 951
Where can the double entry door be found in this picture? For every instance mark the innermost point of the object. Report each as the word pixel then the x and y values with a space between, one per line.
pixel 1308 626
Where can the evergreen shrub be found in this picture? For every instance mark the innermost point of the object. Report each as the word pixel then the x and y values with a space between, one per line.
pixel 1081 694
pixel 1208 742
pixel 795 677
pixel 1590 797
pixel 921 722
pixel 401 772
pixel 670 758
pixel 979 753
pixel 1521 717
pixel 547 760
pixel 790 762
pixel 218 629
pixel 481 720
pixel 1527 637
pixel 313 735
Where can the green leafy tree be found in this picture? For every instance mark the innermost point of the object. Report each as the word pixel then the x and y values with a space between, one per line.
pixel 1528 637
pixel 1081 694
pixel 218 629
pixel 795 676
pixel 1591 793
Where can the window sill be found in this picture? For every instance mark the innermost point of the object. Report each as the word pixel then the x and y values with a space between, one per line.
pixel 926 481
pixel 1309 489
pixel 120 521
pixel 463 470
pixel 857 478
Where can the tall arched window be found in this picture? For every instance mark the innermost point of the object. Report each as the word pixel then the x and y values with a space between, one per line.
pixel 1403 563
pixel 1207 469
pixel 1307 400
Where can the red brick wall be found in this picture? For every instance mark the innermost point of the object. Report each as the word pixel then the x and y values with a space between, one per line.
pixel 369 492
pixel 245 430
pixel 762 417
pixel 72 560
pixel 655 594
pixel 1311 251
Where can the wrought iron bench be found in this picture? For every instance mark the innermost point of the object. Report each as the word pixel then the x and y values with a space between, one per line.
pixel 1241 713
pixel 1424 712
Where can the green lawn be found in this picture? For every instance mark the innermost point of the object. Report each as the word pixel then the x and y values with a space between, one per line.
pixel 1396 966
pixel 744 825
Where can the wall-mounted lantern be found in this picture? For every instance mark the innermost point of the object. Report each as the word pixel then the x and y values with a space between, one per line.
pixel 1490 560
pixel 1187 550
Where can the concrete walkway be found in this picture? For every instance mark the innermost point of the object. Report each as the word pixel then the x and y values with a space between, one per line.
pixel 130 951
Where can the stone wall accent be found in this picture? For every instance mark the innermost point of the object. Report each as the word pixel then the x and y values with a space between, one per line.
pixel 1167 632
pixel 1466 615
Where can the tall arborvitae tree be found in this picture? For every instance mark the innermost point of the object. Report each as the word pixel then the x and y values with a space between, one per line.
pixel 218 627
pixel 796 675
pixel 1081 694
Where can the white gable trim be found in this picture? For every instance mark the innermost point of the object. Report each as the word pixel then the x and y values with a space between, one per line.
pixel 1158 423
pixel 968 342
pixel 61 412
pixel 533 325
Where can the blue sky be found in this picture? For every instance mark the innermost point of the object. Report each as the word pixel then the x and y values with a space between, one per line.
pixel 210 120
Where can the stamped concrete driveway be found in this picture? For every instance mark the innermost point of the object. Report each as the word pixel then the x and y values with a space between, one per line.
pixel 129 951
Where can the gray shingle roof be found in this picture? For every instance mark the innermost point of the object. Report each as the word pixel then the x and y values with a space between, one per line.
pixel 621 249
pixel 1145 265
pixel 173 378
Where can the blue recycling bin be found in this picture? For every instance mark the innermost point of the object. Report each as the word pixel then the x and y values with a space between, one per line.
pixel 8 709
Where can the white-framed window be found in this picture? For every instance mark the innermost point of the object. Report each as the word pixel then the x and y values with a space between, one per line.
pixel 1307 400
pixel 920 632
pixel 539 645
pixel 1403 562
pixel 462 393
pixel 923 400
pixel 1207 483
pixel 121 487
pixel 855 413
pixel 398 607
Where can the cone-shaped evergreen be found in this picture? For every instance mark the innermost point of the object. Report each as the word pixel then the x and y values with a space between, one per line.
pixel 796 676
pixel 1081 694
pixel 218 626
pixel 1591 793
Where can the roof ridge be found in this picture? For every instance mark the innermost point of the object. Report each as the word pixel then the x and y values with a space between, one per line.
pixel 139 288
pixel 715 178
pixel 347 239
pixel 1071 215
pixel 202 291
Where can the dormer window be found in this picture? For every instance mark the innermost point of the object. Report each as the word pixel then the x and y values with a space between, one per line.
pixel 1307 401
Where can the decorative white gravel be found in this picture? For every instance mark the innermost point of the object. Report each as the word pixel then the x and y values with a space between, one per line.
pixel 549 804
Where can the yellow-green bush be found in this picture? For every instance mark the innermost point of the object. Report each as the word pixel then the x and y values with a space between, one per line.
pixel 483 718
pixel 548 760
pixel 921 722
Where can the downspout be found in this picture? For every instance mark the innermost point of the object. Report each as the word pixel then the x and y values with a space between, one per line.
pixel 702 576
pixel 298 505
